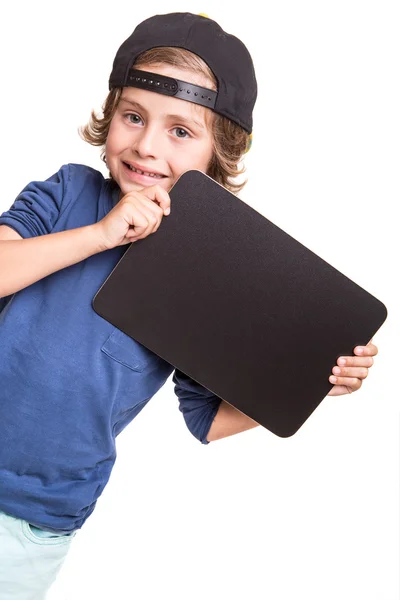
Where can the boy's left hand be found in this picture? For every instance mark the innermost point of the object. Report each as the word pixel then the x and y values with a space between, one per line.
pixel 348 376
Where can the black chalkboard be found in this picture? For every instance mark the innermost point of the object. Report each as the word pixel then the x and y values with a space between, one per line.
pixel 237 304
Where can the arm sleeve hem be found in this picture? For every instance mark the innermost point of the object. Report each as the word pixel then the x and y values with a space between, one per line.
pixel 18 227
pixel 197 404
pixel 214 411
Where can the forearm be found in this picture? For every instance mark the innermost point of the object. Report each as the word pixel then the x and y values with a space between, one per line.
pixel 22 262
pixel 229 421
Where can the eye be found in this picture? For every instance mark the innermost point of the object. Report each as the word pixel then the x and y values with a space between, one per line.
pixel 133 118
pixel 181 133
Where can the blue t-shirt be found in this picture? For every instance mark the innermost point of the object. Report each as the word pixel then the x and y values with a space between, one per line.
pixel 70 380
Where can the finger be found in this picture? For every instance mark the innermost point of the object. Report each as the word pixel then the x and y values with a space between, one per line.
pixel 158 195
pixel 142 223
pixel 148 206
pixel 358 372
pixel 351 382
pixel 355 361
pixel 339 390
pixel 369 350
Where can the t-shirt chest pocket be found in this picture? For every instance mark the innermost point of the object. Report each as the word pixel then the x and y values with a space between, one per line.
pixel 128 352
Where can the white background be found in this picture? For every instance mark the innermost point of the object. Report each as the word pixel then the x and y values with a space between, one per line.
pixel 254 516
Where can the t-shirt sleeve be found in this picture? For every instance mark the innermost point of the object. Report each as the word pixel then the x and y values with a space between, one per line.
pixel 197 404
pixel 37 207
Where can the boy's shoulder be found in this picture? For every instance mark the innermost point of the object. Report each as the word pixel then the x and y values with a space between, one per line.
pixel 77 177
pixel 80 171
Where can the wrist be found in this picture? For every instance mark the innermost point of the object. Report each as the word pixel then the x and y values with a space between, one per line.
pixel 97 240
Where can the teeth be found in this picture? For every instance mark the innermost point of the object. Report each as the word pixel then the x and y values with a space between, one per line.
pixel 145 173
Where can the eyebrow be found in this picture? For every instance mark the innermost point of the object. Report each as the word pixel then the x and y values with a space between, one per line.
pixel 173 117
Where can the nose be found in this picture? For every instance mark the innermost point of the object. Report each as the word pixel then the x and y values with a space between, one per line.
pixel 147 141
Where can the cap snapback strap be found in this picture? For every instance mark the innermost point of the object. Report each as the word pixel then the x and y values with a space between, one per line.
pixel 171 87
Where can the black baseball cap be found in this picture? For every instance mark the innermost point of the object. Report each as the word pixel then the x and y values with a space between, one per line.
pixel 225 54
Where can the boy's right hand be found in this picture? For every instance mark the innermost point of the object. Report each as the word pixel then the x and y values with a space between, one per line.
pixel 136 215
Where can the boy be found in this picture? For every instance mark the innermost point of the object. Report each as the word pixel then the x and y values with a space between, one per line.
pixel 181 97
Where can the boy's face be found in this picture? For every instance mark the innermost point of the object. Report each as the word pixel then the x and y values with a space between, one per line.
pixel 158 134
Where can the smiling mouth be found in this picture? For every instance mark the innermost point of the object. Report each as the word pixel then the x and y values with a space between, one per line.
pixel 146 173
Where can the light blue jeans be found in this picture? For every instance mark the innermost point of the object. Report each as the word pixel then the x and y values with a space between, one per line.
pixel 30 558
